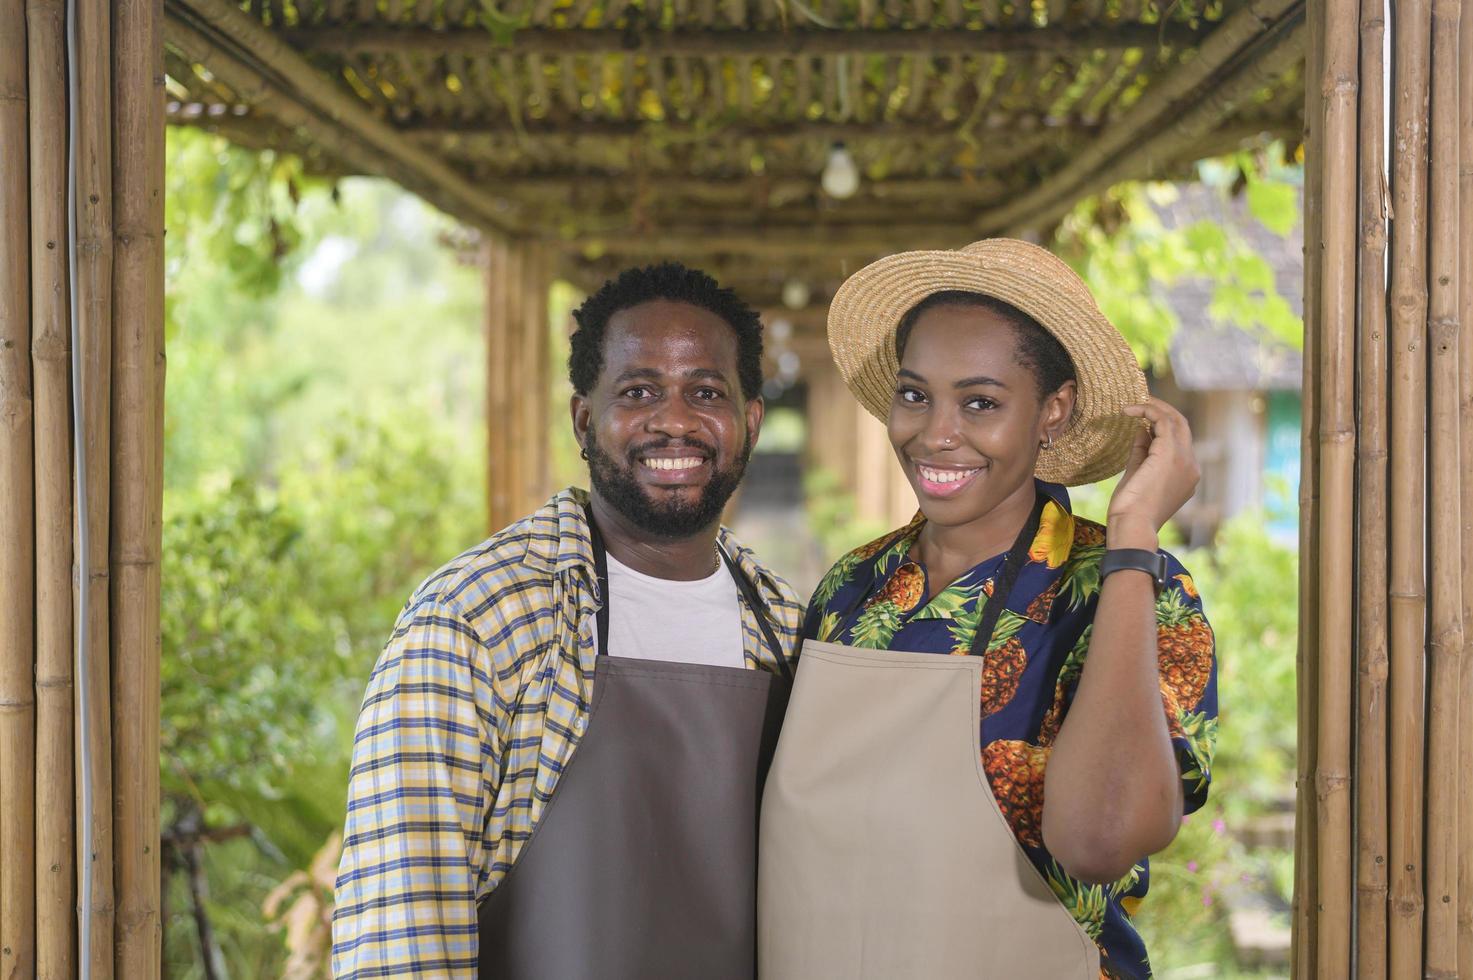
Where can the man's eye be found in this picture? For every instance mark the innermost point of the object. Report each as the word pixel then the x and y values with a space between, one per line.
pixel 708 394
pixel 638 391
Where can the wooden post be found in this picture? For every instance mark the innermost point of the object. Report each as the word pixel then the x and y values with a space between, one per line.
pixel 94 314
pixel 55 865
pixel 17 566
pixel 499 505
pixel 1370 582
pixel 1408 433
pixel 1336 436
pixel 535 377
pixel 136 471
pixel 1305 922
pixel 1465 420
pixel 1445 612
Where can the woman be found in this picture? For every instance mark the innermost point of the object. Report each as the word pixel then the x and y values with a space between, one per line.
pixel 891 847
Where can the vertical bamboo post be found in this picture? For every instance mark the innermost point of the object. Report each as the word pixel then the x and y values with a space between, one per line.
pixel 1445 613
pixel 1465 420
pixel 94 316
pixel 1335 554
pixel 1306 896
pixel 17 567
pixel 137 496
pixel 51 365
pixel 499 503
pixel 1408 434
pixel 1370 580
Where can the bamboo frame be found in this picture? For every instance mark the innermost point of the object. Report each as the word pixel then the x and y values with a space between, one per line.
pixel 56 894
pixel 1370 582
pixel 94 316
pixel 137 489
pixel 332 103
pixel 752 42
pixel 17 565
pixel 1407 601
pixel 1336 357
pixel 1465 419
pixel 1276 51
pixel 1445 612
pixel 1306 894
pixel 1219 49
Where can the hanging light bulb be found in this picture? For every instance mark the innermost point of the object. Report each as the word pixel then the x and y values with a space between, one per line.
pixel 841 174
pixel 795 294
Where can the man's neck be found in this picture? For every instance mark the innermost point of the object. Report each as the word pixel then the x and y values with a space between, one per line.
pixel 681 559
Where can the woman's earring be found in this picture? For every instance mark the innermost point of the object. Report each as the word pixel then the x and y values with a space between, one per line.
pixel 1050 437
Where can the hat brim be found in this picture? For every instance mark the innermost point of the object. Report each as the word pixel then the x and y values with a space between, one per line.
pixel 866 311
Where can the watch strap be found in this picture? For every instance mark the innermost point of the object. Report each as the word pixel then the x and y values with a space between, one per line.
pixel 1153 563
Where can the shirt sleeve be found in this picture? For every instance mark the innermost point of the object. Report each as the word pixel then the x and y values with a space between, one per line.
pixel 1187 659
pixel 422 780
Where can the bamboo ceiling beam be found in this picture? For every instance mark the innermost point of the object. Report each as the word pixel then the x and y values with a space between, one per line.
pixel 254 61
pixel 1157 108
pixel 1181 136
pixel 707 43
pixel 1029 125
pixel 859 243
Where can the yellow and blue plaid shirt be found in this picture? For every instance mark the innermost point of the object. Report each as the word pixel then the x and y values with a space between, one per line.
pixel 471 714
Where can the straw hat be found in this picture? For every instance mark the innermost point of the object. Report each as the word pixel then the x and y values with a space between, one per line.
pixel 867 310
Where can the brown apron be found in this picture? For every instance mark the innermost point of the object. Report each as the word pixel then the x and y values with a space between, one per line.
pixel 643 864
pixel 883 852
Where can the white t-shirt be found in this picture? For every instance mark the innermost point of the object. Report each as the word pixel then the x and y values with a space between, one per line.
pixel 697 622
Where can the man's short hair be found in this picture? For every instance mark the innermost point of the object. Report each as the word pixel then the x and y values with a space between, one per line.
pixel 676 283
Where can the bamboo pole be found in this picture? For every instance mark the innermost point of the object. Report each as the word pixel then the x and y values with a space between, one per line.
pixel 1407 483
pixel 1445 613
pixel 700 42
pixel 1306 895
pixel 1465 420
pixel 1370 579
pixel 137 494
pixel 1336 354
pixel 94 317
pixel 51 363
pixel 17 567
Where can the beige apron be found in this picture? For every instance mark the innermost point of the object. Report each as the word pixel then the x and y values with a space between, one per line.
pixel 883 854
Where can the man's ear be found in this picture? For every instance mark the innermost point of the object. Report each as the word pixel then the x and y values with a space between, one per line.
pixel 756 410
pixel 582 417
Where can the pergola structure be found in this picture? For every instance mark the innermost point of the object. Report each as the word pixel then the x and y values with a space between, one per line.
pixel 581 136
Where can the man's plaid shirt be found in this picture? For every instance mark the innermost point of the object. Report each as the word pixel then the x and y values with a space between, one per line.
pixel 472 712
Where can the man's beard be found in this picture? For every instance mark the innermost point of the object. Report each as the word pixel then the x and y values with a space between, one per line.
pixel 675 517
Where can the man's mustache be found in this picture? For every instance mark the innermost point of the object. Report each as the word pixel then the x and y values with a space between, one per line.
pixel 695 445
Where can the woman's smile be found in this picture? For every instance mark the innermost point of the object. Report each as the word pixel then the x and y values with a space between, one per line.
pixel 943 480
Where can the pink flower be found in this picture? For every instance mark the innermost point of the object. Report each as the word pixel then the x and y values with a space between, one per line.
pixel 1207 900
pixel 1219 825
pixel 1192 866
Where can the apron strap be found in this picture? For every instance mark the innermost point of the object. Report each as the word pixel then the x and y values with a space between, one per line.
pixel 1007 577
pixel 745 587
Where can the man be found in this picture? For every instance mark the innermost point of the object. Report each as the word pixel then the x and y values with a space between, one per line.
pixel 559 755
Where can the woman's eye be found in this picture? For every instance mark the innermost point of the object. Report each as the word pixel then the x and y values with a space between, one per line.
pixel 911 395
pixel 981 404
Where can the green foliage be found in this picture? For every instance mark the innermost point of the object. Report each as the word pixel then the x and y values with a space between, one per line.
pixel 1119 244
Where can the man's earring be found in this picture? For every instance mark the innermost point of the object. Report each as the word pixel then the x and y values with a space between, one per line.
pixel 583 453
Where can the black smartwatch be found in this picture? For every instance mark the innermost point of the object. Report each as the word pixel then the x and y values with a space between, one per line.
pixel 1153 563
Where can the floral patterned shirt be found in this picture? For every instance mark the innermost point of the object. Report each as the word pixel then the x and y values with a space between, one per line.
pixel 875 597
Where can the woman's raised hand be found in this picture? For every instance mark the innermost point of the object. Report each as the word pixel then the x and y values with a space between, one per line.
pixel 1162 471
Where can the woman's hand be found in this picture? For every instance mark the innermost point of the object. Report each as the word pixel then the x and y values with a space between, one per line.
pixel 1161 474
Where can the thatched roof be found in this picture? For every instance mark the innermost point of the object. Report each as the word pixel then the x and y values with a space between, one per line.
pixel 698 128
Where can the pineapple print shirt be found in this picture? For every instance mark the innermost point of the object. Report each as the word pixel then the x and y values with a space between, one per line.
pixel 875 597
